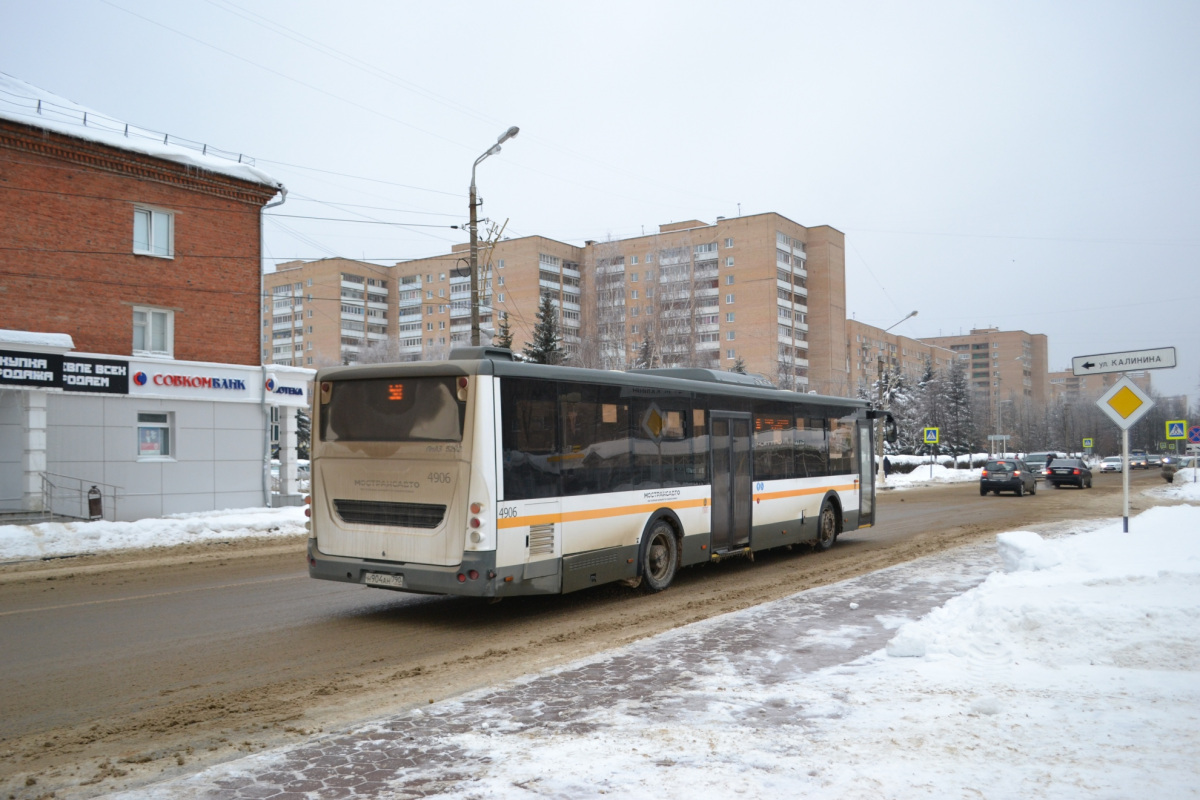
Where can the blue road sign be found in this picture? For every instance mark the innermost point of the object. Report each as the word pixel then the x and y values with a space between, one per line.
pixel 1194 434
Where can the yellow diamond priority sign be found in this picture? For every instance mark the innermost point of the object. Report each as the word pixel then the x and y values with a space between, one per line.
pixel 1125 403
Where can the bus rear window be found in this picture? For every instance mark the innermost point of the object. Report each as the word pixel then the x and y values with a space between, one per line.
pixel 407 409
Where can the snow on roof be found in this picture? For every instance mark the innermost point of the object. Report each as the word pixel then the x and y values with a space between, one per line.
pixel 27 104
pixel 34 339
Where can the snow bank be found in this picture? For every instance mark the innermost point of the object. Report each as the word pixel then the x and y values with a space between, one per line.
pixel 48 539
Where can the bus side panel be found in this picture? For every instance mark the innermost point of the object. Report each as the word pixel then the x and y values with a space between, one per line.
pixel 786 511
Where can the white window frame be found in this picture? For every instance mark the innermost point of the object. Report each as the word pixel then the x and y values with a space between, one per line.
pixel 152 245
pixel 166 319
pixel 155 436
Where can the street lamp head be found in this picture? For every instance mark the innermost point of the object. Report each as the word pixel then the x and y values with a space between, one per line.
pixel 508 134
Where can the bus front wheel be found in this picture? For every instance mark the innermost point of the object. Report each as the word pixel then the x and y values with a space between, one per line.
pixel 660 557
pixel 826 527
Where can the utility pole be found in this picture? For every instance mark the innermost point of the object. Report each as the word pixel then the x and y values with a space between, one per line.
pixel 474 231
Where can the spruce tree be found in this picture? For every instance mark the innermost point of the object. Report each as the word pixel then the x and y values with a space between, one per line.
pixel 546 347
pixel 504 339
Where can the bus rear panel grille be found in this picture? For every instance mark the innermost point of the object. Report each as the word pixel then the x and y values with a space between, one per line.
pixel 401 515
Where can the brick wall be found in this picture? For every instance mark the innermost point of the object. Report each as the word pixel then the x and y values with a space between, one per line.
pixel 66 247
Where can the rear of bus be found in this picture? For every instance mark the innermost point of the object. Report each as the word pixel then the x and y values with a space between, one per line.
pixel 403 477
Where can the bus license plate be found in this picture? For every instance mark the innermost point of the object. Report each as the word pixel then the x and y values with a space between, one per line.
pixel 384 579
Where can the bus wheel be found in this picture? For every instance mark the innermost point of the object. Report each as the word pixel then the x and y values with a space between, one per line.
pixel 660 557
pixel 826 527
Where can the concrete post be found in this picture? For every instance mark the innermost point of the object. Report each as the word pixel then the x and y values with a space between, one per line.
pixel 33 456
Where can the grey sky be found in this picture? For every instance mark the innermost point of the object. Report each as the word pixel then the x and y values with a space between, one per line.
pixel 1032 166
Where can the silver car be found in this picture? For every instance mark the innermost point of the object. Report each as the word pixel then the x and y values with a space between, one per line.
pixel 1111 464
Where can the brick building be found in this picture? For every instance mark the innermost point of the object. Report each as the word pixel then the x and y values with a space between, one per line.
pixel 129 331
pixel 909 357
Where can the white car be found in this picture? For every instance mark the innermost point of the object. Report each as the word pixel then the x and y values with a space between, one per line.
pixel 1111 464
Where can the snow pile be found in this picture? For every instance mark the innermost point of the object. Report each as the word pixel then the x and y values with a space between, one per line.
pixel 49 539
pixel 1071 674
pixel 1184 487
pixel 925 475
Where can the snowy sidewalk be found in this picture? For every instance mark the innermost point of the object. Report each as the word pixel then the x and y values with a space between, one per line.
pixel 1033 668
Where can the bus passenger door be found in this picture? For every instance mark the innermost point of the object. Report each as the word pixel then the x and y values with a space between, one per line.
pixel 731 478
pixel 866 473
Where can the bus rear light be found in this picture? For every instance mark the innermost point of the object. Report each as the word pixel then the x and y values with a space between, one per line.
pixel 476 508
pixel 308 499
pixel 462 578
pixel 462 389
pixel 307 511
pixel 473 574
pixel 475 523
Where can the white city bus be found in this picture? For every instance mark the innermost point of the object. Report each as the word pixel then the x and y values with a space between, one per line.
pixel 489 477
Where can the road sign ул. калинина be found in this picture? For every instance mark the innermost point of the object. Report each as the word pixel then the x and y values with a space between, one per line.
pixel 1128 361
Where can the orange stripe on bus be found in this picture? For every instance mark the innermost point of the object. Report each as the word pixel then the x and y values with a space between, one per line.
pixel 850 487
pixel 596 513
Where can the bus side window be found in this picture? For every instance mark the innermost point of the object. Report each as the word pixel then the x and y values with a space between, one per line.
pixel 595 440
pixel 529 411
pixel 841 445
pixel 811 447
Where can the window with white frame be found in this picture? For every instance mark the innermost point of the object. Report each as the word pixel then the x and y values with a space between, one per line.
pixel 728 299
pixel 154 439
pixel 730 335
pixel 728 280
pixel 729 261
pixel 153 331
pixel 731 354
pixel 153 232
pixel 729 242
pixel 729 317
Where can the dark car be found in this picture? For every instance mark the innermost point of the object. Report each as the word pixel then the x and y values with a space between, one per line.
pixel 1069 472
pixel 1137 460
pixel 1007 475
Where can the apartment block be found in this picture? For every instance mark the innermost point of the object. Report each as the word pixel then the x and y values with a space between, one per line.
pixel 1003 367
pixel 873 350
pixel 327 312
pixel 761 291
pixel 1066 385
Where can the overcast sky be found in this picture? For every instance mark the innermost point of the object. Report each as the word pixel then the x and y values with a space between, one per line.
pixel 1032 166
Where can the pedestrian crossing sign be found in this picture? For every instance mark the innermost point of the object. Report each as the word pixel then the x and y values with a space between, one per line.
pixel 1176 429
pixel 1088 444
pixel 931 435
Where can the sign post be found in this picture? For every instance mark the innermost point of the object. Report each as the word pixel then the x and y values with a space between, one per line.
pixel 1125 403
pixel 931 437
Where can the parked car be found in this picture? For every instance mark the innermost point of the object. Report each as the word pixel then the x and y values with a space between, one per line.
pixel 1111 464
pixel 1069 472
pixel 1007 475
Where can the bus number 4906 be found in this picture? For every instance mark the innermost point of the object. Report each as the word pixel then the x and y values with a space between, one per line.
pixel 438 477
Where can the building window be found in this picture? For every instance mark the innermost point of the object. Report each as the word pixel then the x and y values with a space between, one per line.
pixel 310 281
pixel 633 259
pixel 153 232
pixel 153 331
pixel 730 335
pixel 729 261
pixel 728 299
pixel 731 354
pixel 729 243
pixel 154 435
pixel 633 294
pixel 501 281
pixel 728 280
pixel 729 317
pixel 500 264
pixel 500 297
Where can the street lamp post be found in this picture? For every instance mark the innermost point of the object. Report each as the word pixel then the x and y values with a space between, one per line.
pixel 881 476
pixel 474 230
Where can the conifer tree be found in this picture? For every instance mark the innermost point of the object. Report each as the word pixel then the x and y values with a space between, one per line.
pixel 546 347
pixel 504 339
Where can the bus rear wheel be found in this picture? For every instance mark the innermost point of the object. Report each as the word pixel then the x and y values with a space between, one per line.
pixel 660 557
pixel 826 527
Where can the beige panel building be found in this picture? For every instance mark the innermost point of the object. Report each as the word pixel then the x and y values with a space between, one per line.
pixel 760 290
pixel 1003 367
pixel 1067 385
pixel 868 346
pixel 327 312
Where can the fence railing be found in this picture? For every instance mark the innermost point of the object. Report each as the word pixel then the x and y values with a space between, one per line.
pixel 67 496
